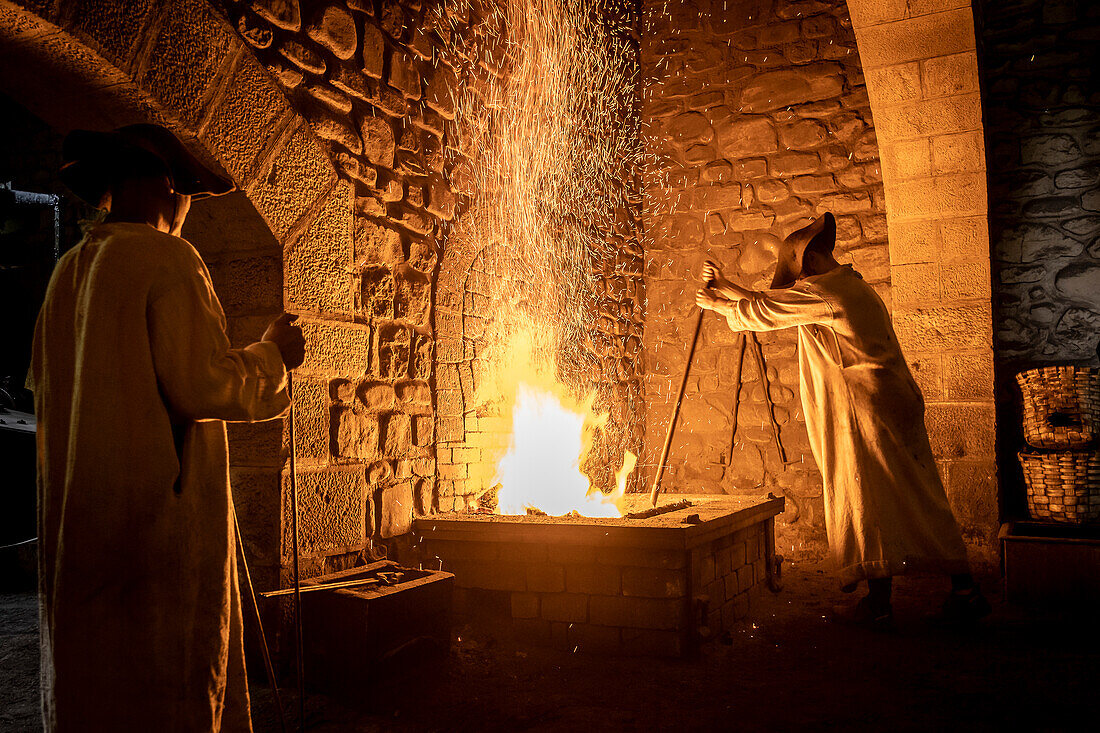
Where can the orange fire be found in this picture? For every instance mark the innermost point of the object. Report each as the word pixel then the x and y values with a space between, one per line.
pixel 552 433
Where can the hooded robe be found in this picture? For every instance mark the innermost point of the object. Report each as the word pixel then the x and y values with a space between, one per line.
pixel 133 377
pixel 886 511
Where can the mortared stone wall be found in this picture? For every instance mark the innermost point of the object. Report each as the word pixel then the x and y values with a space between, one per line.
pixel 758 117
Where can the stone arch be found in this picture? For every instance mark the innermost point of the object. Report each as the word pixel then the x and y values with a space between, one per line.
pixel 101 65
pixel 921 67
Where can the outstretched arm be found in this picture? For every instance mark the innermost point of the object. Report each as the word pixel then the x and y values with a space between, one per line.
pixel 766 310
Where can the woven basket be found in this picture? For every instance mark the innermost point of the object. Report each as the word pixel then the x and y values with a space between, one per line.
pixel 1061 406
pixel 1063 486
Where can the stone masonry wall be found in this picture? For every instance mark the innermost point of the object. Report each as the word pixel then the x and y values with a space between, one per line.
pixel 758 117
pixel 1041 78
pixel 368 78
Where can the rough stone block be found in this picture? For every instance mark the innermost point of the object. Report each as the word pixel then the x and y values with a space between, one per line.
pixel 355 435
pixel 336 348
pixel 334 28
pixel 739 136
pixel 256 497
pixel 404 74
pixel 914 241
pixel 299 175
pixel 915 283
pixel 395 509
pixel 961 431
pixel 968 377
pixel 378 141
pixel 191 47
pixel 778 89
pixel 376 243
pixel 654 582
pixel 570 608
pixel 311 419
pixel 332 510
pixel 897 84
pixel 243 121
pixel 925 37
pixel 947 75
pixel 317 277
pixel 966 280
pixel 374 47
pixel 394 343
pixel 638 613
pixel 376 395
pixel 376 292
pixel 285 14
pixel 414 297
pixel 958 113
pixel 907 159
pixel 398 434
pixel 958 195
pixel 711 198
pixel 525 605
pixel 964 152
pixel 593 579
pixel 963 326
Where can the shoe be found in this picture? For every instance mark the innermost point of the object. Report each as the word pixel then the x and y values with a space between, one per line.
pixel 864 614
pixel 962 609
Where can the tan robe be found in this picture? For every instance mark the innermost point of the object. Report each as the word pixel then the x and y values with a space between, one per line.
pixel 133 376
pixel 886 512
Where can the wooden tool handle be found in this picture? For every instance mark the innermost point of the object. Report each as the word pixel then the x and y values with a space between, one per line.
pixel 656 489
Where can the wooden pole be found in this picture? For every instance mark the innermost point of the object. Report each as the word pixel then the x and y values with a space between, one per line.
pixel 297 578
pixel 653 492
pixel 736 394
pixel 762 368
pixel 268 666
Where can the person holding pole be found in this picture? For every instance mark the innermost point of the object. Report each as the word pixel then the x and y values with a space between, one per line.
pixel 134 378
pixel 886 511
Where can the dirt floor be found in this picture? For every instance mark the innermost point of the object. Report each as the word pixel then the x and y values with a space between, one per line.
pixel 790 669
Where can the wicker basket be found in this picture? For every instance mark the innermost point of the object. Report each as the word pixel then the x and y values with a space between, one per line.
pixel 1063 486
pixel 1061 406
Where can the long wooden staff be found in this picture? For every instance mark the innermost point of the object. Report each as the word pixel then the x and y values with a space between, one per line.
pixel 297 578
pixel 653 492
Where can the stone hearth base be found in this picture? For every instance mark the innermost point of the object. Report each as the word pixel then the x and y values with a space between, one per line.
pixel 655 586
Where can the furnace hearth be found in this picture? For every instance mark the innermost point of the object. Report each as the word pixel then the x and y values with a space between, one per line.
pixel 654 586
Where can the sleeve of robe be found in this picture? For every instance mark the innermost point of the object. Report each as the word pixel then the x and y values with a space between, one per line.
pixel 200 376
pixel 770 310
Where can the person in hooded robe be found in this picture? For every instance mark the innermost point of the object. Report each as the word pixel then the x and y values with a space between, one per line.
pixel 133 378
pixel 886 511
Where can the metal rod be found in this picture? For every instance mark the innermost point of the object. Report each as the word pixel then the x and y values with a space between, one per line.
pixel 653 492
pixel 736 394
pixel 321 586
pixel 297 578
pixel 268 666
pixel 762 368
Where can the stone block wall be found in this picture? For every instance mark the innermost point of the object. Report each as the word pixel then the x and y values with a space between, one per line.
pixel 1041 78
pixel 921 62
pixel 758 117
pixel 370 82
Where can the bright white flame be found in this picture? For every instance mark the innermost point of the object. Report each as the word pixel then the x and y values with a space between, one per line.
pixel 551 434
